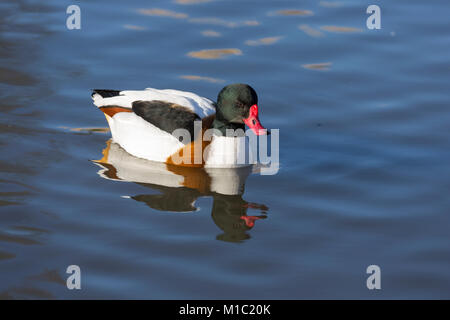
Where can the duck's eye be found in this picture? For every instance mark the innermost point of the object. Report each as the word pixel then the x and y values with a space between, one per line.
pixel 240 105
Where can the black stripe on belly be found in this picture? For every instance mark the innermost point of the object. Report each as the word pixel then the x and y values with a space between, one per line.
pixel 166 116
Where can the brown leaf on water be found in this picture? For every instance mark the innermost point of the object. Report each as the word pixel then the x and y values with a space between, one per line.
pixel 191 1
pixel 310 31
pixel 102 130
pixel 295 12
pixel 330 4
pixel 201 78
pixel 162 13
pixel 214 21
pixel 214 53
pixel 224 23
pixel 323 66
pixel 250 23
pixel 134 27
pixel 338 29
pixel 86 130
pixel 263 41
pixel 211 33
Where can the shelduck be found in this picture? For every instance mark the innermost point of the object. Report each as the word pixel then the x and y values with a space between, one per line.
pixel 172 126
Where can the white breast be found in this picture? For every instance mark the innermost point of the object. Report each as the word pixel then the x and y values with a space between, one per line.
pixel 228 152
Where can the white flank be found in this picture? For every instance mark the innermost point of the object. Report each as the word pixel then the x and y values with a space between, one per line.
pixel 142 139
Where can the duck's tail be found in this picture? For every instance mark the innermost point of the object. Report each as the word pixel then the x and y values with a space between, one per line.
pixel 106 101
pixel 102 97
pixel 104 93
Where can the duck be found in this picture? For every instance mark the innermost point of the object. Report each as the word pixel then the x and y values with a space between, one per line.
pixel 182 128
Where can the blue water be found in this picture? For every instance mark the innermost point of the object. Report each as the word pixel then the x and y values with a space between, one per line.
pixel 364 151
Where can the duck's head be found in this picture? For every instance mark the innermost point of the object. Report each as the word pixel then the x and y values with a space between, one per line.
pixel 237 107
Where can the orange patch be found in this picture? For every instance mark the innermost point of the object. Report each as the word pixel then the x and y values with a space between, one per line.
pixel 105 153
pixel 111 111
pixel 111 172
pixel 194 178
pixel 187 153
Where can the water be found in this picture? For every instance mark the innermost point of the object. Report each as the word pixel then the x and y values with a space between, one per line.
pixel 363 118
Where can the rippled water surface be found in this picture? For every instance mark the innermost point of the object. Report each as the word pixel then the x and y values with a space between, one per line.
pixel 364 138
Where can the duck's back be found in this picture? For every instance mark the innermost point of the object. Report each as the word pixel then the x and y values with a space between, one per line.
pixel 197 104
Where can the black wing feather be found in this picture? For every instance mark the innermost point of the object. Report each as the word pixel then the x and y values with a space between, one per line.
pixel 166 116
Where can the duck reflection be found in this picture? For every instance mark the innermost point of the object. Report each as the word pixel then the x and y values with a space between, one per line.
pixel 179 187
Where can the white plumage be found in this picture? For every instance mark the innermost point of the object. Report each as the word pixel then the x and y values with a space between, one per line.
pixel 142 139
pixel 199 105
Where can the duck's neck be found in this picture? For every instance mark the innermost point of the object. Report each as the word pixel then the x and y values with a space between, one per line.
pixel 223 125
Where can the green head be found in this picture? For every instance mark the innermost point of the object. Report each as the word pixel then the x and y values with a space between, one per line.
pixel 237 106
